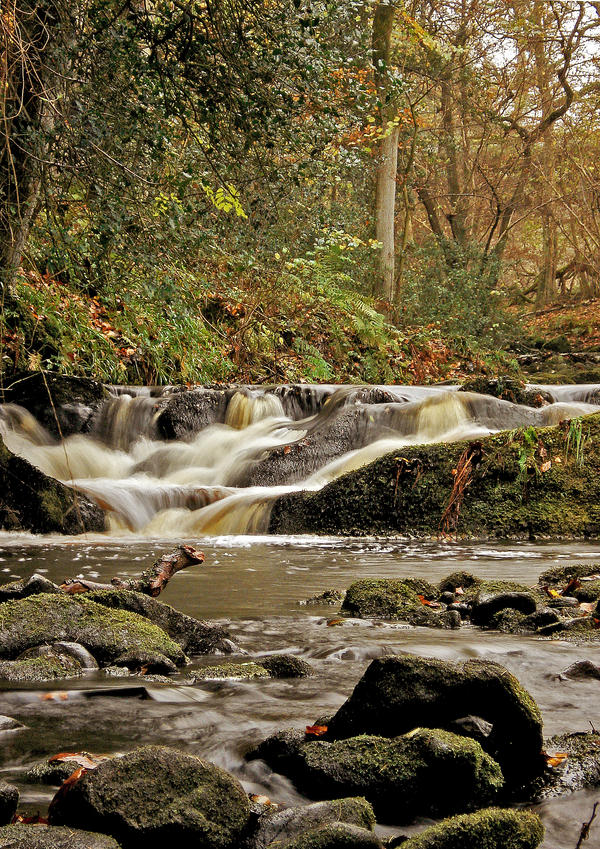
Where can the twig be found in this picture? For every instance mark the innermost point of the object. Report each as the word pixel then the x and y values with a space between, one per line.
pixel 585 828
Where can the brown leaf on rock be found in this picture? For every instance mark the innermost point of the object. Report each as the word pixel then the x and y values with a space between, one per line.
pixel 81 758
pixel 331 622
pixel 556 759
pixel 316 730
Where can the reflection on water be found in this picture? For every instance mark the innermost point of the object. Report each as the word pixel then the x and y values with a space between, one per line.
pixel 254 585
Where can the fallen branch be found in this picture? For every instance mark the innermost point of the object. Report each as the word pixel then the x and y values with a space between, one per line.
pixel 463 475
pixel 151 582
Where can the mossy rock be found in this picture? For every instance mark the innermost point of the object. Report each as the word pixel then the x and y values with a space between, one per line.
pixel 397 694
pixel 588 591
pixel 9 800
pixel 502 500
pixel 154 797
pixel 286 666
pixel 37 669
pixel 32 501
pixel 426 772
pixel 459 579
pixel 510 621
pixel 388 598
pixel 107 634
pixel 492 828
pixel 276 827
pixel 43 837
pixel 50 772
pixel 580 770
pixel 559 576
pixel 232 671
pixel 505 388
pixel 195 636
pixel 336 835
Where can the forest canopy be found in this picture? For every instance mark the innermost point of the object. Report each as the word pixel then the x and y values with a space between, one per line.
pixel 283 190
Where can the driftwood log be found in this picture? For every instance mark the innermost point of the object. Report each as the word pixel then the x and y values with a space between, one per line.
pixel 152 581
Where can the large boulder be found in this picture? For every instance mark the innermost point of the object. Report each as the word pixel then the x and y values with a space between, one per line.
pixel 43 837
pixel 33 501
pixel 493 828
pixel 107 634
pixel 193 635
pixel 155 797
pixel 398 598
pixel 397 694
pixel 277 828
pixel 426 772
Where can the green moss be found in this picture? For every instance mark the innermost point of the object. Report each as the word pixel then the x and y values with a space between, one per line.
pixel 458 579
pixel 337 834
pixel 493 828
pixel 588 591
pixel 286 666
pixel 106 633
pixel 506 498
pixel 244 671
pixel 561 575
pixel 39 669
pixel 509 621
pixel 390 598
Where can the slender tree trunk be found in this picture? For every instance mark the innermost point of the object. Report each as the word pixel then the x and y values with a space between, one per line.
pixel 385 201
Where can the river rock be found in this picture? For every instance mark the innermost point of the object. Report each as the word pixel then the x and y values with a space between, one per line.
pixel 43 837
pixel 397 694
pixel 581 670
pixel 50 772
pixel 193 635
pixel 588 591
pixel 106 634
pixel 387 598
pixel 32 501
pixel 278 827
pixel 27 586
pixel 185 414
pixel 286 666
pixel 493 828
pixel 7 723
pixel 9 800
pixel 231 671
pixel 41 667
pixel 426 772
pixel 580 770
pixel 464 580
pixel 61 404
pixel 154 797
pixel 330 597
pixel 336 835
pixel 487 605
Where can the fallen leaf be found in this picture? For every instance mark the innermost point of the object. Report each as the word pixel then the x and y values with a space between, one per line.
pixel 573 584
pixel 557 759
pixel 587 606
pixel 54 697
pixel 316 730
pixel 545 466
pixel 82 758
pixel 428 603
pixel 287 449
pixel 335 622
pixel 459 591
pixel 551 593
pixel 261 800
pixel 34 819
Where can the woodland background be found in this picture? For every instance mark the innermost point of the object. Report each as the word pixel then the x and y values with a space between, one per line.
pixel 228 190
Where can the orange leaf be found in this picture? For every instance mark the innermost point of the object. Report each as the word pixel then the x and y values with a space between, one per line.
pixel 557 759
pixel 34 819
pixel 81 758
pixel 459 591
pixel 427 603
pixel 335 622
pixel 54 697
pixel 316 730
pixel 545 466
pixel 551 593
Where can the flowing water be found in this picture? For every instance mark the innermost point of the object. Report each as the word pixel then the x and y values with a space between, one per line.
pixel 188 489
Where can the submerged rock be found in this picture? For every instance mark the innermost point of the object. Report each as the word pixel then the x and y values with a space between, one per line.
pixel 7 723
pixel 579 770
pixel 331 597
pixel 42 667
pixel 106 634
pixel 32 501
pixel 193 635
pixel 278 827
pixel 493 828
pixel 154 797
pixel 44 837
pixel 425 772
pixel 286 666
pixel 9 800
pixel 397 694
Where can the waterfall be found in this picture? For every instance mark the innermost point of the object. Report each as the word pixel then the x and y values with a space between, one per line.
pixel 209 481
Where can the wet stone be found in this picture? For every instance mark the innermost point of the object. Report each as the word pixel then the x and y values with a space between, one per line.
pixel 155 797
pixel 151 662
pixel 50 772
pixel 581 670
pixel 487 605
pixel 336 835
pixel 27 586
pixel 286 666
pixel 43 837
pixel 493 828
pixel 563 601
pixel 9 800
pixel 7 723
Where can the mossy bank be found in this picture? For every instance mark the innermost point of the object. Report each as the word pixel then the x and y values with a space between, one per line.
pixel 516 484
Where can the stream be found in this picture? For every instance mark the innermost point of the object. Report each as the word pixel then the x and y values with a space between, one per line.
pixel 254 582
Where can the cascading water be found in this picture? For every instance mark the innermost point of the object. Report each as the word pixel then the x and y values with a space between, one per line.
pixel 184 488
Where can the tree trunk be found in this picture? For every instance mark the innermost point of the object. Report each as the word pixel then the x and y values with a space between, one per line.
pixel 385 203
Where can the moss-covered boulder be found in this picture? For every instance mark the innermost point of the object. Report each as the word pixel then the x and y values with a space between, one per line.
pixel 336 835
pixel 277 828
pixel 49 772
pixel 512 492
pixel 388 598
pixel 41 668
pixel 154 797
pixel 560 576
pixel 462 580
pixel 493 828
pixel 193 635
pixel 107 634
pixel 43 837
pixel 397 694
pixel 487 604
pixel 578 771
pixel 286 666
pixel 32 501
pixel 425 772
